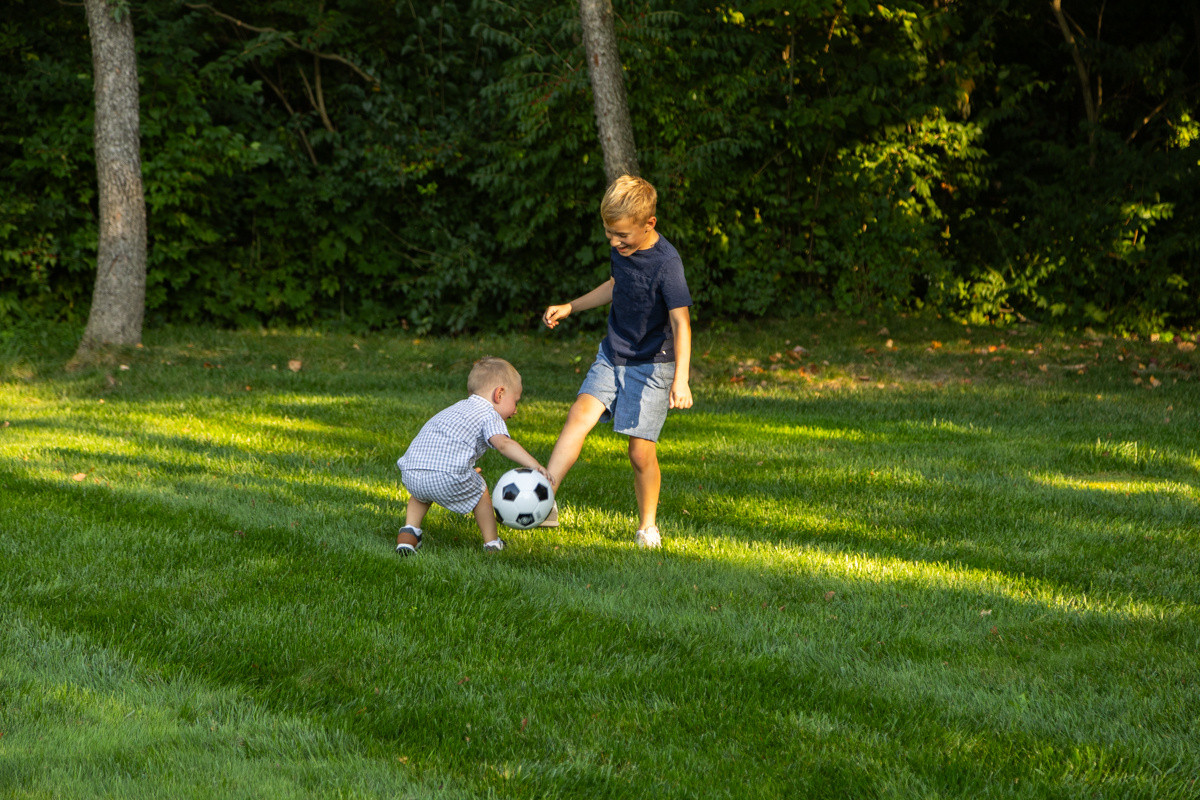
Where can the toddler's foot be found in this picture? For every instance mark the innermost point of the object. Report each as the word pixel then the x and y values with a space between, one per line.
pixel 494 546
pixel 649 538
pixel 409 541
pixel 551 520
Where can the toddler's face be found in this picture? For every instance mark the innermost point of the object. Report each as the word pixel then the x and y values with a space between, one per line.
pixel 628 235
pixel 506 406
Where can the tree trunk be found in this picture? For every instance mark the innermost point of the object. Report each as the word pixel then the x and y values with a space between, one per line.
pixel 608 89
pixel 119 298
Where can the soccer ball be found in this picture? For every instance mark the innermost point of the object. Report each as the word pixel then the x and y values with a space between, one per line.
pixel 522 498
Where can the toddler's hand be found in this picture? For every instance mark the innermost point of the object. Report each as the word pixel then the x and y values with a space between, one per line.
pixel 546 474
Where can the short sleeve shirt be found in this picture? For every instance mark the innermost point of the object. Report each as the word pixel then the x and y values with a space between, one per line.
pixel 455 437
pixel 647 285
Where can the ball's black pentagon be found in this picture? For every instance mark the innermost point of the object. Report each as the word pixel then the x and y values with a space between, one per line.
pixel 524 520
pixel 510 492
pixel 542 491
pixel 523 470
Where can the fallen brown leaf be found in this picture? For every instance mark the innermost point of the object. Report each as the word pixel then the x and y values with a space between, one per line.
pixel 79 476
pixel 829 595
pixel 295 364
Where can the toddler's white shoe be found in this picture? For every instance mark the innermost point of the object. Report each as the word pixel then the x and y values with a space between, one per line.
pixel 649 538
pixel 409 541
pixel 494 546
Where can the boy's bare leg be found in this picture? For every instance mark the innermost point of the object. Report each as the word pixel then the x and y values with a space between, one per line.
pixel 647 479
pixel 485 518
pixel 584 414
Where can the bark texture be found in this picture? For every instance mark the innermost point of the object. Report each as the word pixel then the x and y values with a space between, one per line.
pixel 608 89
pixel 119 298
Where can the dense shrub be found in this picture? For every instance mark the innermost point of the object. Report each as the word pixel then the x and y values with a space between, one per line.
pixel 437 166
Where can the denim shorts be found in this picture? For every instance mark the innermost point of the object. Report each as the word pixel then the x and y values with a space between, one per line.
pixel 635 397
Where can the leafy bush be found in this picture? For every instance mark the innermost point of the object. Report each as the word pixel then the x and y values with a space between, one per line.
pixel 437 166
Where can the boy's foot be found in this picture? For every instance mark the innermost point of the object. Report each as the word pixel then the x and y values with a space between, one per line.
pixel 494 546
pixel 551 520
pixel 649 538
pixel 409 541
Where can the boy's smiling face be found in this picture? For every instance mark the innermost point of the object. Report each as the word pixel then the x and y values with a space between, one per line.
pixel 628 235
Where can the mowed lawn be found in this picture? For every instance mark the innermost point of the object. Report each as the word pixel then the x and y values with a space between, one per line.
pixel 911 561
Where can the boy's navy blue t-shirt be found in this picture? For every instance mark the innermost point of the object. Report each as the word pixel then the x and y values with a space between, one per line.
pixel 647 285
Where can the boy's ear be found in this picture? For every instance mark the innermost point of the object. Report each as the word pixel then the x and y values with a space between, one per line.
pixel 497 395
pixel 652 221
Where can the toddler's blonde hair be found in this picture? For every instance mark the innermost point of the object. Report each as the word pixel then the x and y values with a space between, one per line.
pixel 629 197
pixel 490 372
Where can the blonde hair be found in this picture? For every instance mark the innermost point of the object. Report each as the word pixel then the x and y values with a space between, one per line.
pixel 490 372
pixel 629 197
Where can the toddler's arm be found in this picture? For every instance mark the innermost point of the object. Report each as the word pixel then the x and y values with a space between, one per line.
pixel 513 451
pixel 681 327
pixel 601 295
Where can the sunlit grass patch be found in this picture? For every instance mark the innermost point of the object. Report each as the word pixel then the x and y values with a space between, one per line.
pixel 920 590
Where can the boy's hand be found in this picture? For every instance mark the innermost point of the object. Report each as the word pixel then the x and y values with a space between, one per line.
pixel 546 474
pixel 681 395
pixel 555 314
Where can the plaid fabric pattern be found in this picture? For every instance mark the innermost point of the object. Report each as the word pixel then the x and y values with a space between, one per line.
pixel 458 492
pixel 450 443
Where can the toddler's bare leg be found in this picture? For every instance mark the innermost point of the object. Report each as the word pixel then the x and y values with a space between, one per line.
pixel 485 518
pixel 582 417
pixel 417 509
pixel 647 478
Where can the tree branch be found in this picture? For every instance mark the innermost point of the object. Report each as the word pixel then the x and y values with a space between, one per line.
pixel 303 136
pixel 321 96
pixel 312 99
pixel 1154 113
pixel 290 41
pixel 1084 81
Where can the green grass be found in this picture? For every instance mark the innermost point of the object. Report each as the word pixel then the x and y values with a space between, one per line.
pixel 923 571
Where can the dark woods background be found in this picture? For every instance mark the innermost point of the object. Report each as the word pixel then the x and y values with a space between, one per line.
pixel 434 165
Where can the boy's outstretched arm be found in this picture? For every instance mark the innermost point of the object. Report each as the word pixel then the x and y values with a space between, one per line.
pixel 513 451
pixel 681 327
pixel 600 296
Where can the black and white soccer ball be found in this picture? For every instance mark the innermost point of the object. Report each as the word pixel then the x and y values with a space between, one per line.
pixel 522 499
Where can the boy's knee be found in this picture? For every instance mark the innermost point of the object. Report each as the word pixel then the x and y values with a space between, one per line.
pixel 642 454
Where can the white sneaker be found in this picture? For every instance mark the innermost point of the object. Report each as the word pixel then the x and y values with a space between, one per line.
pixel 409 541
pixel 494 546
pixel 649 538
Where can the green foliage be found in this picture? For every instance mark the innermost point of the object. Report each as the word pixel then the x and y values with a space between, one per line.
pixel 435 166
pixel 1088 223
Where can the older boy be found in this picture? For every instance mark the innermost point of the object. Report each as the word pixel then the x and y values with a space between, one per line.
pixel 642 367
pixel 439 465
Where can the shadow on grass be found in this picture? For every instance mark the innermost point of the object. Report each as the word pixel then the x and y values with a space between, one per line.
pixel 443 656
